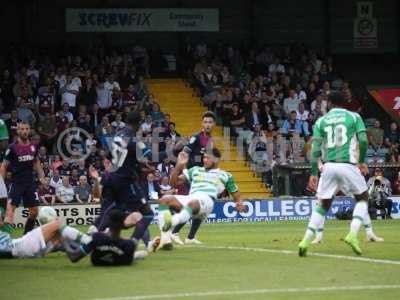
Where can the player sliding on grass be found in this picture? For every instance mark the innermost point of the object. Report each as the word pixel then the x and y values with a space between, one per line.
pixel 205 185
pixel 340 135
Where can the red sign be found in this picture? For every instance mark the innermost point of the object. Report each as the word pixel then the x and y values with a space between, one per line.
pixel 389 99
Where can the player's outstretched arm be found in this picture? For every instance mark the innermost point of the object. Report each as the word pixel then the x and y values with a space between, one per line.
pixel 176 177
pixel 238 200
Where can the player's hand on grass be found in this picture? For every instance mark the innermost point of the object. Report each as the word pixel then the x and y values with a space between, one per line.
pixel 240 207
pixel 363 169
pixel 313 183
pixel 183 158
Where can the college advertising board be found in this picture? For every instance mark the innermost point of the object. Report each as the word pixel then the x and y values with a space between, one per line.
pixel 146 19
pixel 224 211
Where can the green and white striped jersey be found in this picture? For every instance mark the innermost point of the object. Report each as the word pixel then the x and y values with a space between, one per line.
pixel 212 182
pixel 5 242
pixel 337 131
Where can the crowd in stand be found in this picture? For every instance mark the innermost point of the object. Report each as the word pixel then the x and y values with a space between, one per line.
pixel 268 97
pixel 273 96
pixel 75 105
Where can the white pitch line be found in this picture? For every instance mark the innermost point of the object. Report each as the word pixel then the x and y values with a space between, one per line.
pixel 354 258
pixel 256 291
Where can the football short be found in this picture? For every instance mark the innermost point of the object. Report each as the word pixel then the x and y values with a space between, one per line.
pixel 337 177
pixel 23 192
pixel 31 245
pixel 206 202
pixel 3 188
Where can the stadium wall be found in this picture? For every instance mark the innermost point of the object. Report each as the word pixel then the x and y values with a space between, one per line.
pixel 278 209
pixel 318 23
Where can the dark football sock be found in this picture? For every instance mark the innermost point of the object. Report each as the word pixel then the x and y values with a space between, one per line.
pixel 141 227
pixel 178 228
pixel 194 228
pixel 29 225
pixel 146 237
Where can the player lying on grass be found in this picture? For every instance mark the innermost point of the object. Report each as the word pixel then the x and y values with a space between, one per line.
pixel 108 249
pixel 341 136
pixel 40 241
pixel 206 183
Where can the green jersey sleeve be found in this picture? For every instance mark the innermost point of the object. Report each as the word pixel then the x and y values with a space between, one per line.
pixel 3 131
pixel 360 126
pixel 188 173
pixel 316 148
pixel 230 185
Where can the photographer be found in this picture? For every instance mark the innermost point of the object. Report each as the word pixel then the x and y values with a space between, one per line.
pixel 379 189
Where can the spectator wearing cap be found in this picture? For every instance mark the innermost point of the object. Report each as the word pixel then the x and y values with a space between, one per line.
pixel 291 103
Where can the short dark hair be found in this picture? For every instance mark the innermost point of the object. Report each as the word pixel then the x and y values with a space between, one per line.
pixel 116 219
pixel 215 152
pixel 336 98
pixel 208 114
pixel 133 118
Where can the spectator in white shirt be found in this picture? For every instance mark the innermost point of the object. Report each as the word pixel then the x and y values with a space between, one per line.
pixel 301 95
pixel 276 67
pixel 66 113
pixel 65 193
pixel 316 63
pixel 69 92
pixel 147 126
pixel 118 124
pixel 302 113
pixel 56 180
pixel 104 92
pixel 323 103
pixel 291 103
pixel 32 71
pixel 60 78
pixel 165 188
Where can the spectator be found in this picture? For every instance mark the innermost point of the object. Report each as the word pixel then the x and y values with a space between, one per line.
pixel 266 116
pixel 302 113
pixel 375 136
pixel 294 126
pixel 254 117
pixel 165 188
pixel 165 167
pixel 66 113
pixel 156 115
pixel 25 114
pixel 46 192
pixel 393 137
pixel 291 103
pixel 147 126
pixel 151 188
pixel 118 124
pixel 83 191
pixel 236 120
pixel 74 177
pixel 65 193
pixel 323 104
pixel 69 93
pixel 65 168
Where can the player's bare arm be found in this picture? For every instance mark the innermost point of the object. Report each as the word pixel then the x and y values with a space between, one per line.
pixel 238 201
pixel 176 177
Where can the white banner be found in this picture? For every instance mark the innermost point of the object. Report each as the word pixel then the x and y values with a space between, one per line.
pixel 147 19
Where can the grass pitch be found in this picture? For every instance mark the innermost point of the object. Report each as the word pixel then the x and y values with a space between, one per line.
pixel 232 265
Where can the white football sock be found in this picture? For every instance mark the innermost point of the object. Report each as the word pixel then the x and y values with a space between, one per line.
pixel 316 221
pixel 75 235
pixel 360 210
pixel 182 217
pixel 368 224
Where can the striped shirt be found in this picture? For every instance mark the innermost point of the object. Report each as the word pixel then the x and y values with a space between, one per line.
pixel 5 242
pixel 212 182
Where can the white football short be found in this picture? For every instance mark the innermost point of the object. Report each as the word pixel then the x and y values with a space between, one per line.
pixel 343 177
pixel 3 189
pixel 31 245
pixel 206 202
